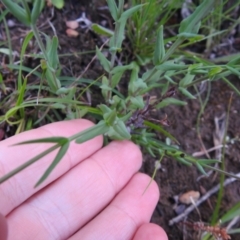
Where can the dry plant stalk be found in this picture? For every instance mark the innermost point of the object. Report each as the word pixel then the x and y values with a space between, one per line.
pixel 217 232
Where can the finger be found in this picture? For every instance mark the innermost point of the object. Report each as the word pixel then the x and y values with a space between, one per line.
pixel 3 228
pixel 150 231
pixel 125 214
pixel 20 187
pixel 60 209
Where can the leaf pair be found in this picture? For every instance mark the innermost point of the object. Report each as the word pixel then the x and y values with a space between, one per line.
pixel 24 15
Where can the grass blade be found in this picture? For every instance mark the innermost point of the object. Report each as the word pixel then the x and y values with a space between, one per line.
pixel 17 12
pixel 59 140
pixel 28 163
pixel 57 159
pixel 99 129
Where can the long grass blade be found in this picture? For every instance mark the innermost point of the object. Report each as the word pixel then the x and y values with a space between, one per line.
pixel 62 151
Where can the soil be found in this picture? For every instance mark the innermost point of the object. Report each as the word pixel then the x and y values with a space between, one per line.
pixel 173 178
pixel 176 178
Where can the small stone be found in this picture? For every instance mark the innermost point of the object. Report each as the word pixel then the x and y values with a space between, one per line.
pixel 157 165
pixel 10 23
pixel 72 24
pixel 189 197
pixel 72 33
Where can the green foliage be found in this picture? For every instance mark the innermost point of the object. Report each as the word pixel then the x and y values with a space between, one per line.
pixel 120 116
pixel 144 24
pixel 58 3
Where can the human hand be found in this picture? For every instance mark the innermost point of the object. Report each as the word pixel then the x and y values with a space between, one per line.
pixel 93 193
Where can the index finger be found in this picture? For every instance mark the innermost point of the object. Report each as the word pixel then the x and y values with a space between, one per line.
pixel 20 187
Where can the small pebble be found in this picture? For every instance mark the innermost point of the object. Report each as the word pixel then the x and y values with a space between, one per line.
pixel 10 23
pixel 72 24
pixel 72 33
pixel 189 197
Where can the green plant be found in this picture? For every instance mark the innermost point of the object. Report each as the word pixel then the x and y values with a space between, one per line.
pixel 143 25
pixel 122 116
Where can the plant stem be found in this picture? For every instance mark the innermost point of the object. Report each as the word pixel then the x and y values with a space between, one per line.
pixel 54 83
pixel 8 37
pixel 215 215
pixel 39 40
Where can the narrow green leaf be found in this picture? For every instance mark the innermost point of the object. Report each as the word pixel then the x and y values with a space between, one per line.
pixel 5 51
pixel 102 30
pixel 104 108
pixel 112 134
pixel 159 51
pixel 214 71
pixel 167 66
pixel 52 53
pixel 208 161
pixel 17 12
pixel 169 79
pixel 122 68
pixel 23 49
pixel 191 23
pixel 137 102
pixel 221 171
pixel 36 10
pixel 151 152
pixel 105 87
pixel 231 213
pixel 57 3
pixel 99 129
pixel 110 117
pixel 167 101
pixel 29 124
pixel 185 92
pixel 121 130
pixel 201 169
pixel 119 35
pixel 161 130
pixel 63 90
pixel 152 75
pixel 21 97
pixel 44 140
pixel 57 159
pixel 191 36
pixel 198 71
pixel 120 5
pixel 103 60
pixel 113 9
pixel 235 60
pixel 28 163
pixel 116 78
pixel 57 106
pixel 129 12
pixel 186 80
pixel 183 161
pixel 1 78
pixel 232 86
pixel 51 80
pixel 4 13
pixel 233 70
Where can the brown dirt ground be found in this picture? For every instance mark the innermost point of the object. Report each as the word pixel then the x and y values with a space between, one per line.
pixel 175 178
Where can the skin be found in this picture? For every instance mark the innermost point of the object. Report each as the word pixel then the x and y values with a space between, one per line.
pixel 93 193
